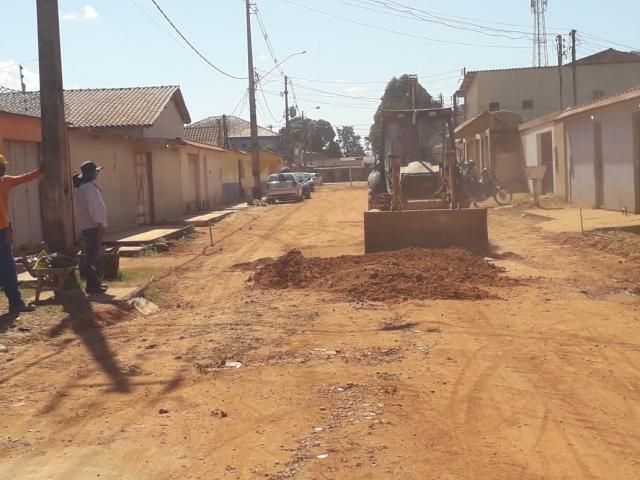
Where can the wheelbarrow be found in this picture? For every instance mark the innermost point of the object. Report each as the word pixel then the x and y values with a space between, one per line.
pixel 49 279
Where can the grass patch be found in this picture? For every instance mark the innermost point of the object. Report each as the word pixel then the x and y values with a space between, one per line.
pixel 149 250
pixel 127 275
pixel 154 293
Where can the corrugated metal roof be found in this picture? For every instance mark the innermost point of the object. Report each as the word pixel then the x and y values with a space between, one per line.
pixel 103 107
pixel 209 130
pixel 610 55
pixel 631 94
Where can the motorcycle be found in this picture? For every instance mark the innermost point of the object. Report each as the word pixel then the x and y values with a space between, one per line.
pixel 486 186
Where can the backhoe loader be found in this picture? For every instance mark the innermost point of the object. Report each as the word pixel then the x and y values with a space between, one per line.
pixel 417 193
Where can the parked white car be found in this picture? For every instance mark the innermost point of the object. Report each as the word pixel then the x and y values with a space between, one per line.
pixel 284 186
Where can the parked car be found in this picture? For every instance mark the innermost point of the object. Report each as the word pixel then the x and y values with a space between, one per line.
pixel 309 178
pixel 305 184
pixel 284 186
pixel 317 178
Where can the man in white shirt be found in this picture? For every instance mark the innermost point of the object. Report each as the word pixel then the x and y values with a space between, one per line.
pixel 92 219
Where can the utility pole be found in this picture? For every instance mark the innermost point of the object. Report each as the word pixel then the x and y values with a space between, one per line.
pixel 560 46
pixel 23 86
pixel 455 110
pixel 286 118
pixel 255 148
pixel 57 214
pixel 574 67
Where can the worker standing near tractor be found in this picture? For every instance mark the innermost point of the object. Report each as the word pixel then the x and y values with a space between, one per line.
pixel 8 272
pixel 92 220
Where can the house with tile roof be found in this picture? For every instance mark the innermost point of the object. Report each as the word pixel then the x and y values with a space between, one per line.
pixel 534 92
pixel 151 174
pixel 230 131
pixel 234 133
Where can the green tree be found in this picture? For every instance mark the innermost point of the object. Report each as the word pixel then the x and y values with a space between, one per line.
pixel 397 96
pixel 312 136
pixel 349 142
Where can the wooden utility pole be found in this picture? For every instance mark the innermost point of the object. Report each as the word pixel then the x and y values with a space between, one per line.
pixel 574 67
pixel 286 118
pixel 57 214
pixel 255 148
pixel 560 46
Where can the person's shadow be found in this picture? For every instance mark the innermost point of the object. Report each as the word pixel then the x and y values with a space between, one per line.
pixel 8 321
pixel 81 319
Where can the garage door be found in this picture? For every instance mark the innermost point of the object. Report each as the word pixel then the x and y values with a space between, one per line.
pixel 24 211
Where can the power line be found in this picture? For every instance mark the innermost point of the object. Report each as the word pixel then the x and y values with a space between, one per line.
pixel 265 101
pixel 411 13
pixel 208 62
pixel 242 100
pixel 397 32
pixel 378 82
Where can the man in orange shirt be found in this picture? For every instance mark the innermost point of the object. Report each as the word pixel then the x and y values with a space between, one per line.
pixel 8 274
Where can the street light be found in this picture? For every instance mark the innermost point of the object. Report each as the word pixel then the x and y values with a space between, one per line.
pixel 280 63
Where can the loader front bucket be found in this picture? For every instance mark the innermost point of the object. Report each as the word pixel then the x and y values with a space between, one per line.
pixel 466 228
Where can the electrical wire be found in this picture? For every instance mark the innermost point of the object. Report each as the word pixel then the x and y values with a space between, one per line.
pixel 410 13
pixel 378 82
pixel 242 100
pixel 265 102
pixel 205 59
pixel 397 32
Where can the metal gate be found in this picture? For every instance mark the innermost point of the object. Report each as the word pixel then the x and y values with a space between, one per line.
pixel 24 210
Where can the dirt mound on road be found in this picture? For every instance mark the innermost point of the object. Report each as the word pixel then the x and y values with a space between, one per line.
pixel 412 273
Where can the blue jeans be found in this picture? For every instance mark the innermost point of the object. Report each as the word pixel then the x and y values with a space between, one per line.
pixel 8 273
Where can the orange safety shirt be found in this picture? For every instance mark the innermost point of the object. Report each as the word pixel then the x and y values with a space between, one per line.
pixel 6 184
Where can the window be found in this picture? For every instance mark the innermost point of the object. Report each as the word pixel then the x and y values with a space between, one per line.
pixel 494 106
pixel 597 94
pixel 527 105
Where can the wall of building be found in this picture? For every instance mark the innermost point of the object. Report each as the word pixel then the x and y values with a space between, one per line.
pixel 117 180
pixel 169 124
pixel 19 127
pixel 167 182
pixel 210 176
pixel 617 155
pixel 506 159
pixel 233 161
pixel 560 156
pixel 541 85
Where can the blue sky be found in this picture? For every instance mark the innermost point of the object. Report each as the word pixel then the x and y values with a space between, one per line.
pixel 119 43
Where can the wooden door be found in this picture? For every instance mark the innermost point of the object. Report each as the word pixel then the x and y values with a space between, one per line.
pixel 598 168
pixel 24 209
pixel 144 189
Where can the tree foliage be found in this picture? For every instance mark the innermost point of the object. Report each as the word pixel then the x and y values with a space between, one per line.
pixel 397 96
pixel 313 136
pixel 349 142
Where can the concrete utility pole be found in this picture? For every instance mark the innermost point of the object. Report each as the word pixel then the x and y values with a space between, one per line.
pixel 23 86
pixel 574 67
pixel 255 148
pixel 286 117
pixel 560 46
pixel 57 214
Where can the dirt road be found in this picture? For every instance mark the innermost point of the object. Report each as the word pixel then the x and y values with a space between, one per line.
pixel 541 382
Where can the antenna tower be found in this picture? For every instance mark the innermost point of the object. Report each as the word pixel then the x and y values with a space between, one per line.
pixel 540 51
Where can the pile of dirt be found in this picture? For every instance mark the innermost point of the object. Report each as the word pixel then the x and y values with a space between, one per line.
pixel 412 273
pixel 615 242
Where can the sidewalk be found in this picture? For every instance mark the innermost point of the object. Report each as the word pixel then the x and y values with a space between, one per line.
pixel 568 219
